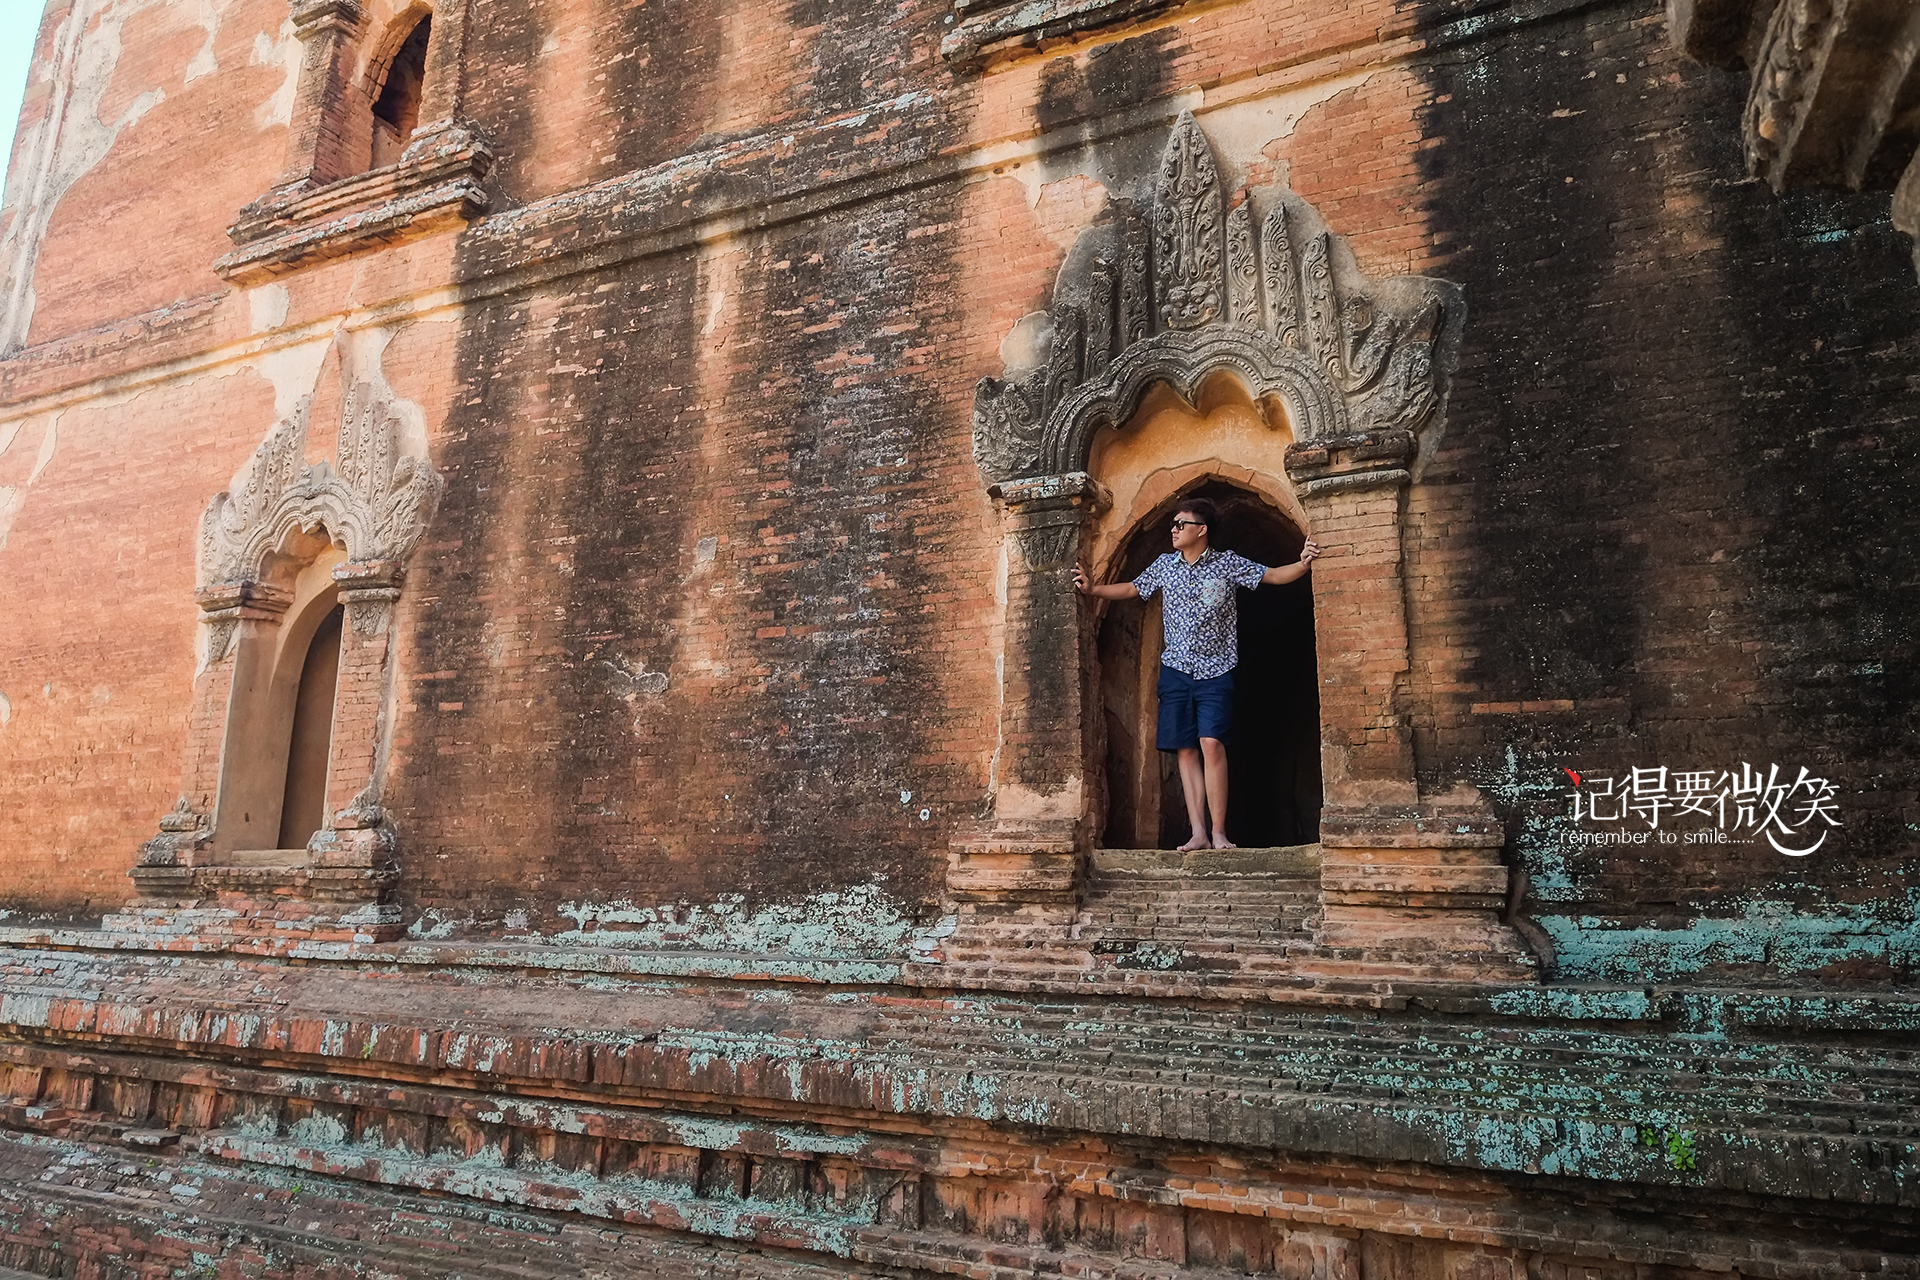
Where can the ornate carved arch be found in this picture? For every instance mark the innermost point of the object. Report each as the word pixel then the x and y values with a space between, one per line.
pixel 1183 360
pixel 1185 288
pixel 373 500
pixel 1176 287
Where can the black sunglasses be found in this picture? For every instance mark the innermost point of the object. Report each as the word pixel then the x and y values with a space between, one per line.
pixel 1189 524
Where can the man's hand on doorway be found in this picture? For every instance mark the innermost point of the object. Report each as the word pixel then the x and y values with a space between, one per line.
pixel 1283 573
pixel 1110 591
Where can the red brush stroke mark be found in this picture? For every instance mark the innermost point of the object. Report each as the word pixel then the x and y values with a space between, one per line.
pixel 1571 774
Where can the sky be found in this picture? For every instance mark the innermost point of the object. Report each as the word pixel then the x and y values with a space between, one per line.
pixel 19 21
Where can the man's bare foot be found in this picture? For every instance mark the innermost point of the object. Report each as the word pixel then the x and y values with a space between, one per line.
pixel 1220 841
pixel 1194 845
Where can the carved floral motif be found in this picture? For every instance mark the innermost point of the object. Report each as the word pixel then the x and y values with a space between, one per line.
pixel 1176 292
pixel 1187 230
pixel 377 504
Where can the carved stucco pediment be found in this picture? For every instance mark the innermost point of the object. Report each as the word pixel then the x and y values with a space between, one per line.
pixel 1186 284
pixel 1831 99
pixel 376 502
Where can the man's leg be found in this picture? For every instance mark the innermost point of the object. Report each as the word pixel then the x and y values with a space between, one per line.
pixel 1214 754
pixel 1193 784
pixel 1213 718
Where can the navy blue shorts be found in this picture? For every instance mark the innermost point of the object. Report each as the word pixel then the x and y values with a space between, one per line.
pixel 1193 709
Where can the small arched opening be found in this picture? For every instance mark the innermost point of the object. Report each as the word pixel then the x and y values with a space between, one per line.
pixel 396 107
pixel 1274 756
pixel 310 737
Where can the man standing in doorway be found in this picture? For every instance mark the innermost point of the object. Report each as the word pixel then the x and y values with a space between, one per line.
pixel 1200 614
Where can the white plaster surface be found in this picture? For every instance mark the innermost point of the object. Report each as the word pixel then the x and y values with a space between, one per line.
pixel 64 146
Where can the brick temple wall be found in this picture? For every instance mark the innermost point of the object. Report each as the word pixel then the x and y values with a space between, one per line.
pixel 702 401
pixel 696 673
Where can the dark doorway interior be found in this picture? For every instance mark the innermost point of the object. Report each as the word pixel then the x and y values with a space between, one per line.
pixel 396 111
pixel 1274 757
pixel 303 812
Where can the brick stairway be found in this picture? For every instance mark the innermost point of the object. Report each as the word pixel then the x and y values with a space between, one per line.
pixel 1216 924
pixel 1232 924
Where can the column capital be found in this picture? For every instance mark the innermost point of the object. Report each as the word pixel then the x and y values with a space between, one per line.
pixel 1363 460
pixel 317 17
pixel 260 601
pixel 1045 513
pixel 1068 489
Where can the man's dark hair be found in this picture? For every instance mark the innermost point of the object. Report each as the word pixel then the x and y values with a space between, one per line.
pixel 1200 509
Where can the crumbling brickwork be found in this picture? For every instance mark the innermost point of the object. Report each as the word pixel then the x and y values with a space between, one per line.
pixel 697 422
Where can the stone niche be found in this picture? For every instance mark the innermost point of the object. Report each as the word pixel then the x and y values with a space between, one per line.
pixel 279 824
pixel 1198 294
pixel 1834 97
pixel 379 149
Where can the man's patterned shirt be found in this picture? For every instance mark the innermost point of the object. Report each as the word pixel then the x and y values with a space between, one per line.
pixel 1200 611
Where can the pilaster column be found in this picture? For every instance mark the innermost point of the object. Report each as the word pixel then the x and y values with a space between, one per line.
pixel 443 94
pixel 1030 849
pixel 1408 880
pixel 358 833
pixel 187 830
pixel 316 149
pixel 1352 487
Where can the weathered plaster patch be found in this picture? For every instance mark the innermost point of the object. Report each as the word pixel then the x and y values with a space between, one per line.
pixel 1027 345
pixel 1243 131
pixel 435 924
pixel 863 921
pixel 294 372
pixel 281 50
pixel 1784 937
pixel 203 63
pixel 13 498
pixel 267 307
pixel 64 146
pixel 6 708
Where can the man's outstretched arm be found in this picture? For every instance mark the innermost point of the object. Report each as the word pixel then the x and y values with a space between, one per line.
pixel 1291 572
pixel 1111 591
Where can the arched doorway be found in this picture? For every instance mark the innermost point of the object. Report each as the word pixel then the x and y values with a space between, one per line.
pixel 1274 758
pixel 303 809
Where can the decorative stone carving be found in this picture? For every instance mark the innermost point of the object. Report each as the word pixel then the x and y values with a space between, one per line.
pixel 1832 83
pixel 1797 37
pixel 377 505
pixel 1045 515
pixel 1287 310
pixel 1187 243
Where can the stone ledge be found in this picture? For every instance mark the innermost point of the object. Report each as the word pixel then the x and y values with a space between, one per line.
pixel 435 187
pixel 1562 1099
pixel 989 29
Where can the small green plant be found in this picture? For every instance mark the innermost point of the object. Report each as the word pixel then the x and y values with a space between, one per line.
pixel 1675 1145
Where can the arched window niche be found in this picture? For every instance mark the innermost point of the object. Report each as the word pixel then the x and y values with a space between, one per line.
pixel 1231 450
pixel 301 567
pixel 379 147
pixel 271 797
pixel 397 82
